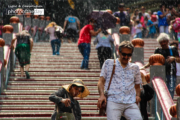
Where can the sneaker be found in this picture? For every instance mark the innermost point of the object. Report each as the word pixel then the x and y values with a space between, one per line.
pixel 57 53
pixel 27 75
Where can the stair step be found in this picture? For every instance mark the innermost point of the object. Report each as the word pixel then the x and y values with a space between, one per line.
pixel 28 99
pixel 93 97
pixel 48 118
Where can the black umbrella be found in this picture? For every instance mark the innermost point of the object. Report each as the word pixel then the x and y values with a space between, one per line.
pixel 104 19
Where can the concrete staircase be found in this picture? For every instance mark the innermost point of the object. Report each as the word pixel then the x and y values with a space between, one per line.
pixel 27 99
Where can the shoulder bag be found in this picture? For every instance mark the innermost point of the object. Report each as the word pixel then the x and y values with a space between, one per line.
pixel 65 115
pixel 102 110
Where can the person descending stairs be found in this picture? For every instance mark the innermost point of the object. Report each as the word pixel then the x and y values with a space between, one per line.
pixel 28 99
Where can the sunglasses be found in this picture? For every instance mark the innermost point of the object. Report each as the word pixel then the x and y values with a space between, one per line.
pixel 124 54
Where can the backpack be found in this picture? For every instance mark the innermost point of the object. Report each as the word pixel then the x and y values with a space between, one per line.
pixel 58 33
pixel 153 18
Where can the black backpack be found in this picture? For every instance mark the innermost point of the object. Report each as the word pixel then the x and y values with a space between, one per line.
pixel 58 34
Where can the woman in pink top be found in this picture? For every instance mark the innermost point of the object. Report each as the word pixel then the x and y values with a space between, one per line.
pixel 55 41
pixel 85 40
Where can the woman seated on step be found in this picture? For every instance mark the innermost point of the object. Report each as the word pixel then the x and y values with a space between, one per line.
pixel 65 105
pixel 23 50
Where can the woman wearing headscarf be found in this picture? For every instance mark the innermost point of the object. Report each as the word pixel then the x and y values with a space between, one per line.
pixel 23 50
pixel 65 104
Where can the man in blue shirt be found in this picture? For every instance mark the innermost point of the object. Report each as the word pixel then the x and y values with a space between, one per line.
pixel 125 20
pixel 73 26
pixel 162 14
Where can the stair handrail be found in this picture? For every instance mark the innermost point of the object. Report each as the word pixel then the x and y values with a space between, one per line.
pixel 8 63
pixel 164 97
pixel 116 38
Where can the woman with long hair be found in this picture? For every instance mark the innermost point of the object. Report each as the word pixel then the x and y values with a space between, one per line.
pixel 54 39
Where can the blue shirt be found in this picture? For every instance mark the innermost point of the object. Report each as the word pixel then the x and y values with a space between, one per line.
pixel 152 29
pixel 122 17
pixel 103 41
pixel 162 21
pixel 122 88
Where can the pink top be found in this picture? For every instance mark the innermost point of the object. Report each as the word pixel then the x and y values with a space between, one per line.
pixel 142 22
pixel 51 31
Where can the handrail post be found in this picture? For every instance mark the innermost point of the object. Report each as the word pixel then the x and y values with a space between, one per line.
pixel 47 22
pixel 14 21
pixel 138 53
pixel 178 108
pixel 156 70
pixel 124 33
pixel 2 43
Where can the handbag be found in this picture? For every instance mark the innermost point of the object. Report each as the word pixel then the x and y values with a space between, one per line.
pixel 102 110
pixel 65 115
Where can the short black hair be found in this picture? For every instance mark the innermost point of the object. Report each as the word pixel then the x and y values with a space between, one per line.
pixel 121 5
pixel 92 20
pixel 78 86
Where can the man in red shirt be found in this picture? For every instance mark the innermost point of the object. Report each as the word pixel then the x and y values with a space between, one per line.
pixel 84 42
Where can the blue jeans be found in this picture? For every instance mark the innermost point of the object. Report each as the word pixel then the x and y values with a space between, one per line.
pixel 85 49
pixel 171 84
pixel 138 35
pixel 56 44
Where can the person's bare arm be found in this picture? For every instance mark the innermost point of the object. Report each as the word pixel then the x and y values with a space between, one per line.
pixel 94 33
pixel 145 66
pixel 78 23
pixel 12 43
pixel 31 44
pixel 100 85
pixel 138 93
pixel 65 23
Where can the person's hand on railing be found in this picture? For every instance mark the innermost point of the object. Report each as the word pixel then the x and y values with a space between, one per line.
pixel 142 68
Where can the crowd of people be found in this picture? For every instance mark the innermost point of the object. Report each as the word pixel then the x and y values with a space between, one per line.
pixel 128 93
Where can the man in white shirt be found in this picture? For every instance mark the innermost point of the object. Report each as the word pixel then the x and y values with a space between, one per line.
pixel 124 91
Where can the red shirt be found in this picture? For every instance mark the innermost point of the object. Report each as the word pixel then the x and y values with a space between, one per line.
pixel 85 36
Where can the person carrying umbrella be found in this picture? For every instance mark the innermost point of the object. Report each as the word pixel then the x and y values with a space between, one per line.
pixel 84 41
pixel 65 104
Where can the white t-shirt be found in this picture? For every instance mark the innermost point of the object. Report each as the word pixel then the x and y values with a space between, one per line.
pixel 137 28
